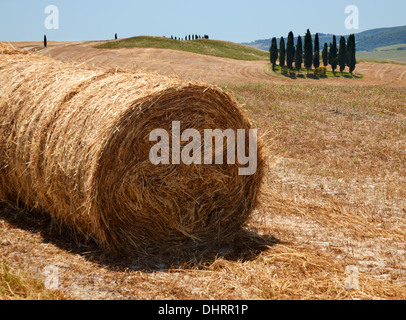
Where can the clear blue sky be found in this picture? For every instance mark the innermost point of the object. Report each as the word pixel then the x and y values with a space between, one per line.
pixel 233 20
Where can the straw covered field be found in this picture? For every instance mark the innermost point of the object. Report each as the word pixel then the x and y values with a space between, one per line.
pixel 324 217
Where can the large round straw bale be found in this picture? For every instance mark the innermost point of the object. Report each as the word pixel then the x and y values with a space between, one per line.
pixel 74 142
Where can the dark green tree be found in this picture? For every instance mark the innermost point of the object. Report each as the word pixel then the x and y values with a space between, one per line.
pixel 324 55
pixel 116 36
pixel 330 53
pixel 299 54
pixel 308 51
pixel 342 55
pixel 333 55
pixel 351 52
pixel 282 53
pixel 45 41
pixel 274 53
pixel 290 51
pixel 316 59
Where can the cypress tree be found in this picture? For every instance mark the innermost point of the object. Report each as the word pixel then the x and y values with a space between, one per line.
pixel 316 60
pixel 352 60
pixel 324 55
pixel 333 54
pixel 330 50
pixel 342 55
pixel 290 51
pixel 282 53
pixel 308 51
pixel 299 54
pixel 274 53
pixel 45 41
pixel 115 36
pixel 353 64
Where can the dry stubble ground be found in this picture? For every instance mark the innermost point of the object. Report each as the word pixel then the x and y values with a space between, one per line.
pixel 335 196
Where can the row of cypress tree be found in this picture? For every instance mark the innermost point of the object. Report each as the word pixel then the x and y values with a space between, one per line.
pixel 309 55
pixel 191 37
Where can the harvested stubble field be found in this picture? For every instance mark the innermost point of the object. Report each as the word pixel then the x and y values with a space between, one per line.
pixel 334 196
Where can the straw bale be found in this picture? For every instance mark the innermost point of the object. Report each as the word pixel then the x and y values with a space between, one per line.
pixel 74 143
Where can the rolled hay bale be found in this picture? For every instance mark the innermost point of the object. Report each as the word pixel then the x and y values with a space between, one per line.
pixel 75 143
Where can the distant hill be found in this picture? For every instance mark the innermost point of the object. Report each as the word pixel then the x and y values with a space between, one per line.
pixel 369 40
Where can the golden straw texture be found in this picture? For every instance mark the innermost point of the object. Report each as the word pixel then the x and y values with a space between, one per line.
pixel 74 142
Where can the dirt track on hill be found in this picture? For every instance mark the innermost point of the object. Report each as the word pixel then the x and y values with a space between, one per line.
pixel 191 66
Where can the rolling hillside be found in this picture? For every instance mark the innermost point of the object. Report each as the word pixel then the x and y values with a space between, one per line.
pixel 215 48
pixel 334 195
